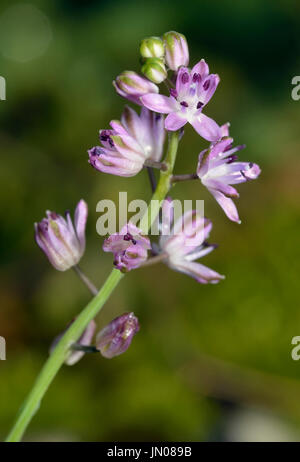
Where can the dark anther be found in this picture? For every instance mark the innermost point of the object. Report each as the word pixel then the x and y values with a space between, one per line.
pixel 199 105
pixel 184 104
pixel 185 77
pixel 173 92
pixel 196 77
pixel 206 85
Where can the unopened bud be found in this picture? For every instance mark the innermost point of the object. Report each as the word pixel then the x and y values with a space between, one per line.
pixel 177 52
pixel 152 47
pixel 116 337
pixel 154 69
pixel 132 86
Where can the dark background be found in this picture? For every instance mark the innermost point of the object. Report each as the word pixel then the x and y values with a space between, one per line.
pixel 210 362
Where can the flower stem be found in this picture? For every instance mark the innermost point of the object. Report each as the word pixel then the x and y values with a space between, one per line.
pixel 57 358
pixel 151 178
pixel 59 354
pixel 154 260
pixel 192 176
pixel 93 289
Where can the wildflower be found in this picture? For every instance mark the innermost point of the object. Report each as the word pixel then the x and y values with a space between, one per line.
pixel 116 337
pixel 84 341
pixel 194 89
pixel 132 86
pixel 129 247
pixel 177 52
pixel 187 243
pixel 218 169
pixel 129 143
pixel 63 243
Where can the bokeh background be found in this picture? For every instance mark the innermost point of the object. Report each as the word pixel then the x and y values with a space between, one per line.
pixel 210 363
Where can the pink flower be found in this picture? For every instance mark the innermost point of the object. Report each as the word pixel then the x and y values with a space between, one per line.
pixel 116 337
pixel 126 147
pixel 129 247
pixel 187 243
pixel 63 243
pixel 194 89
pixel 218 169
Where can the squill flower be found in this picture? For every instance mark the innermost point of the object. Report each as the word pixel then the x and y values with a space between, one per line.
pixel 194 89
pixel 116 337
pixel 176 49
pixel 129 144
pixel 132 86
pixel 186 243
pixel 63 243
pixel 129 247
pixel 218 169
pixel 84 341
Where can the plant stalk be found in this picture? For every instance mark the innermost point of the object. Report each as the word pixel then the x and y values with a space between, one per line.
pixel 59 354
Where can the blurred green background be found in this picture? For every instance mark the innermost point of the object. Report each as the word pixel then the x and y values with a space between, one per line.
pixel 210 362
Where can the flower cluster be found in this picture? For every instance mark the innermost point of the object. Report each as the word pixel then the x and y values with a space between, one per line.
pixel 136 142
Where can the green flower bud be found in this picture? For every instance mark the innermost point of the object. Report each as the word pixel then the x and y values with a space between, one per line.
pixel 152 47
pixel 154 69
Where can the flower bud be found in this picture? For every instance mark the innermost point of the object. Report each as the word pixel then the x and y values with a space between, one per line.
pixel 177 52
pixel 63 243
pixel 132 86
pixel 152 47
pixel 154 69
pixel 116 337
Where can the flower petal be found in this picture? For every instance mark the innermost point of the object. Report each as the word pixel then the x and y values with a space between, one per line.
pixel 159 103
pixel 206 127
pixel 201 68
pixel 201 273
pixel 80 218
pixel 227 205
pixel 174 121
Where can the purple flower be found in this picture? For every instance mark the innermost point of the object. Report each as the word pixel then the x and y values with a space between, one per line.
pixel 176 48
pixel 85 340
pixel 63 243
pixel 129 143
pixel 194 88
pixel 116 337
pixel 218 169
pixel 129 247
pixel 132 86
pixel 186 243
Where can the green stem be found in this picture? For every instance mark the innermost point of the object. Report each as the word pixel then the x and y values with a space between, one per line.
pixel 58 356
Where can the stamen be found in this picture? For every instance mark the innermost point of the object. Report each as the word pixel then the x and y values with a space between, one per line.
pixel 199 105
pixel 232 158
pixel 185 77
pixel 196 77
pixel 206 85
pixel 184 104
pixel 173 92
